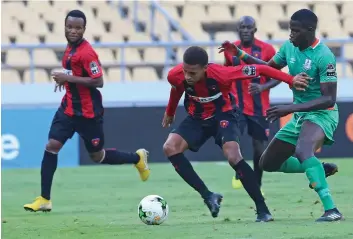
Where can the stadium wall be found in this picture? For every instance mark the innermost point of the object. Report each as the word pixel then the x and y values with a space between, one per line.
pixel 132 120
pixel 23 138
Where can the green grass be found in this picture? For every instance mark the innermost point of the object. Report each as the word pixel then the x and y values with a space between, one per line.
pixel 101 203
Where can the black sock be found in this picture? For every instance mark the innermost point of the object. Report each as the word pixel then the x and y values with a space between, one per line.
pixel 113 156
pixel 247 177
pixel 49 165
pixel 184 168
pixel 257 170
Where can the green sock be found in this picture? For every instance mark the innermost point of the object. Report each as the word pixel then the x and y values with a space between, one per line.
pixel 316 175
pixel 292 165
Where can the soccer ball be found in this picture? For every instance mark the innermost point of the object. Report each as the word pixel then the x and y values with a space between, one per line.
pixel 153 210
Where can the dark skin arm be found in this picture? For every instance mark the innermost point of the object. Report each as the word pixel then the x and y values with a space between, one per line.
pixel 327 100
pixel 233 49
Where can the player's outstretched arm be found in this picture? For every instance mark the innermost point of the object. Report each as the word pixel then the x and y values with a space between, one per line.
pixel 326 101
pixel 232 49
pixel 299 82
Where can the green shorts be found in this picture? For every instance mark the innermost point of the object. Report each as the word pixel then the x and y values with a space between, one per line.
pixel 326 119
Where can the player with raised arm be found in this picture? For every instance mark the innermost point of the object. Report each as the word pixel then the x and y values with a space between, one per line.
pixel 210 107
pixel 252 96
pixel 81 111
pixel 315 117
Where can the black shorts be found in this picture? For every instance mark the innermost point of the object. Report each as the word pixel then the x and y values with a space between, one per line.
pixel 258 126
pixel 63 128
pixel 223 128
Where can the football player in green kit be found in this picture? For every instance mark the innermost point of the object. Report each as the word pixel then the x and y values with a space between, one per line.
pixel 315 114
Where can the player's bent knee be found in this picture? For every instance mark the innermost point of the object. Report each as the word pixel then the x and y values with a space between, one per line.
pixel 304 150
pixel 53 146
pixel 97 157
pixel 266 165
pixel 232 152
pixel 175 144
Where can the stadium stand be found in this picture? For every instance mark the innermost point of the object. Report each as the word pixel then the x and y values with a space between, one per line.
pixel 41 22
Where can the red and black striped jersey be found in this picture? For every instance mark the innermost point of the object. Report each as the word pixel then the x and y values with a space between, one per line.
pixel 252 104
pixel 213 94
pixel 79 100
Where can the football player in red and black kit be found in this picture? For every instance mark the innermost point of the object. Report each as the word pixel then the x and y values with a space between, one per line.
pixel 253 96
pixel 211 113
pixel 81 111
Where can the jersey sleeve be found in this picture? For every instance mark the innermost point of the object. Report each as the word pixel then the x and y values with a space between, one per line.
pixel 280 57
pixel 91 64
pixel 245 72
pixel 175 94
pixel 327 68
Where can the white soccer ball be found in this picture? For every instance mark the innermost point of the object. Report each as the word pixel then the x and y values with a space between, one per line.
pixel 153 210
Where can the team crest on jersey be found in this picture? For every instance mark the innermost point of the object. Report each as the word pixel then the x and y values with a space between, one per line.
pixel 94 67
pixel 257 54
pixel 249 70
pixel 224 123
pixel 95 142
pixel 307 64
pixel 267 132
pixel 331 70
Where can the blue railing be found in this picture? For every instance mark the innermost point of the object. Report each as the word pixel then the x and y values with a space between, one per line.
pixel 167 63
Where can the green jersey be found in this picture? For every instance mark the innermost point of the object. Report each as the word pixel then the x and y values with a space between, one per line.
pixel 317 61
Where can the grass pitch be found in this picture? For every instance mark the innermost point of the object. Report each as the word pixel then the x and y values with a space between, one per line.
pixel 100 202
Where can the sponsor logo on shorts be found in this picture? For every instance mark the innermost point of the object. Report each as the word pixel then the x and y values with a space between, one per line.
pixel 267 132
pixel 95 141
pixel 224 123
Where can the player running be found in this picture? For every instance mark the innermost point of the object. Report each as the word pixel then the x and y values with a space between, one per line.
pixel 210 104
pixel 315 117
pixel 252 96
pixel 81 111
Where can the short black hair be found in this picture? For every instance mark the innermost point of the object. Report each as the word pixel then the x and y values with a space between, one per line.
pixel 306 17
pixel 78 14
pixel 195 55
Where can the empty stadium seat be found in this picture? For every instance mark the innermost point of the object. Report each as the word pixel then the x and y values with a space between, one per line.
pixel 347 9
pixel 45 57
pixel 340 70
pixel 348 51
pixel 17 57
pixel 154 55
pixel 230 36
pixel 40 76
pixel 131 55
pixel 144 74
pixel 114 74
pixel 37 21
pixel 219 12
pixel 105 56
pixel 10 76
